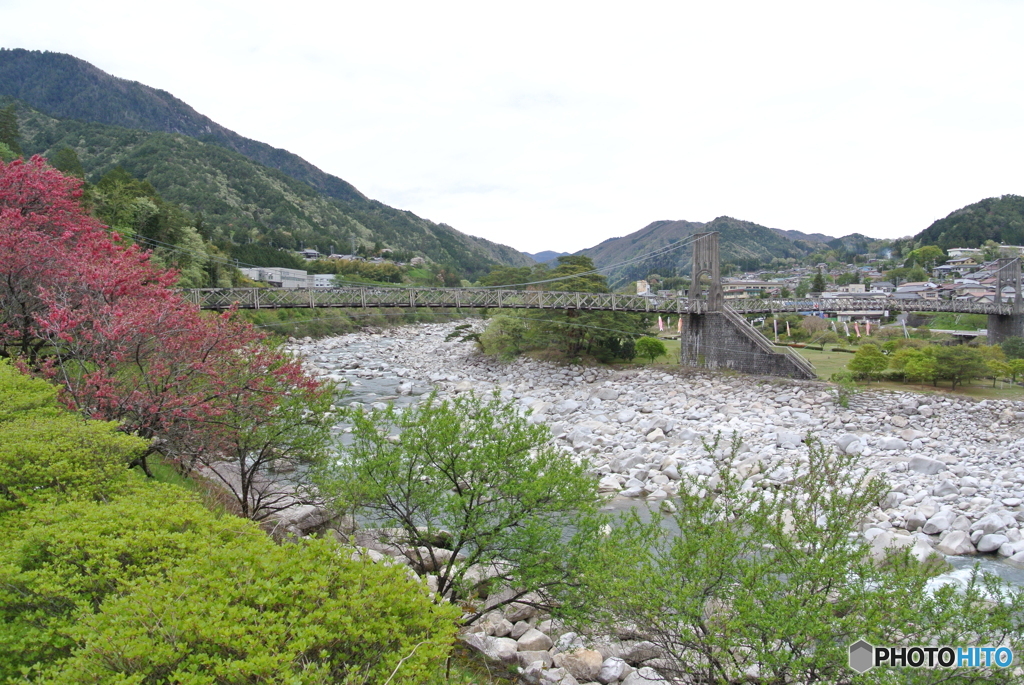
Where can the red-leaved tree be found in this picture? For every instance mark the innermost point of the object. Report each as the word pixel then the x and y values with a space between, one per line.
pixel 82 307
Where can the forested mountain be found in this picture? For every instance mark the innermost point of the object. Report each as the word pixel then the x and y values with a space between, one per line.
pixel 277 201
pixel 742 243
pixel 808 237
pixel 996 218
pixel 66 87
pixel 545 256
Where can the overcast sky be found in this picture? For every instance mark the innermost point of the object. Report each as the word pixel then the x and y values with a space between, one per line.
pixel 548 125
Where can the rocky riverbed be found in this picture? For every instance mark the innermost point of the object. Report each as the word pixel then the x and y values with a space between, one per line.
pixel 954 464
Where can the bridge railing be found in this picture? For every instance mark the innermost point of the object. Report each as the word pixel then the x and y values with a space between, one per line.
pixel 481 298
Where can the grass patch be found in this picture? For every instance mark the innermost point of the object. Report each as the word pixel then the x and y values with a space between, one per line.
pixel 826 362
pixel 214 497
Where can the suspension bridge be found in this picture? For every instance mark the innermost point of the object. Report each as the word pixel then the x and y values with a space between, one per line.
pixel 714 332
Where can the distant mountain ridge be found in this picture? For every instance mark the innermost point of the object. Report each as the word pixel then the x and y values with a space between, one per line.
pixel 809 237
pixel 743 243
pixel 545 256
pixel 243 190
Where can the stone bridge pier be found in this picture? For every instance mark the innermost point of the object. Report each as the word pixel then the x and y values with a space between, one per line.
pixel 1003 326
pixel 713 336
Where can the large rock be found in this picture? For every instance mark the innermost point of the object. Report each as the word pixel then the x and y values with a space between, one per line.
pixel 584 664
pixel 892 444
pixel 519 629
pixel 885 541
pixel 565 407
pixel 645 676
pixel 534 641
pixel 494 648
pixel 992 542
pixel 788 440
pixel 304 517
pixel 656 435
pixel 527 658
pixel 558 676
pixel 926 465
pixel 915 520
pixel 956 543
pixel 625 416
pixel 844 441
pixel 940 522
pixel 989 524
pixel 612 669
pixel 607 394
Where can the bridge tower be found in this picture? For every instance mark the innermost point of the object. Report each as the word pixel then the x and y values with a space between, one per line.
pixel 713 336
pixel 1003 326
pixel 706 261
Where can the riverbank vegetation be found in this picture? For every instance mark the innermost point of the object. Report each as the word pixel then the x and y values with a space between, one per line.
pixel 602 336
pixel 108 577
pixel 767 585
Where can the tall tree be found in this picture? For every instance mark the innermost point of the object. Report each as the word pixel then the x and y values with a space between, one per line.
pixel 66 160
pixel 9 133
pixel 818 283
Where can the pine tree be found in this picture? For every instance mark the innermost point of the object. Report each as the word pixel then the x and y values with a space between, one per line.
pixel 818 284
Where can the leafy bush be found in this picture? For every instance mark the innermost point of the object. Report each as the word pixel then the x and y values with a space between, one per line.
pixel 503 337
pixel 20 393
pixel 64 456
pixel 627 349
pixel 649 347
pixel 49 454
pixel 893 375
pixel 868 362
pixel 60 563
pixel 255 612
pixel 471 485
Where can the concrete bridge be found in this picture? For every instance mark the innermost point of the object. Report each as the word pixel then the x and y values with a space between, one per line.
pixel 714 333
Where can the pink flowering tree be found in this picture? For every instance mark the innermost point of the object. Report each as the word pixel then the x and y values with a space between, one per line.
pixel 84 308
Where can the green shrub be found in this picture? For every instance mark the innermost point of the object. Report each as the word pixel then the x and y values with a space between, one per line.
pixel 60 563
pixel 486 476
pixel 63 456
pixel 893 375
pixel 255 612
pixel 649 347
pixel 503 337
pixel 20 394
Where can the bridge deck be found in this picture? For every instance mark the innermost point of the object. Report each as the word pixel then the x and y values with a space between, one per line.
pixel 474 298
